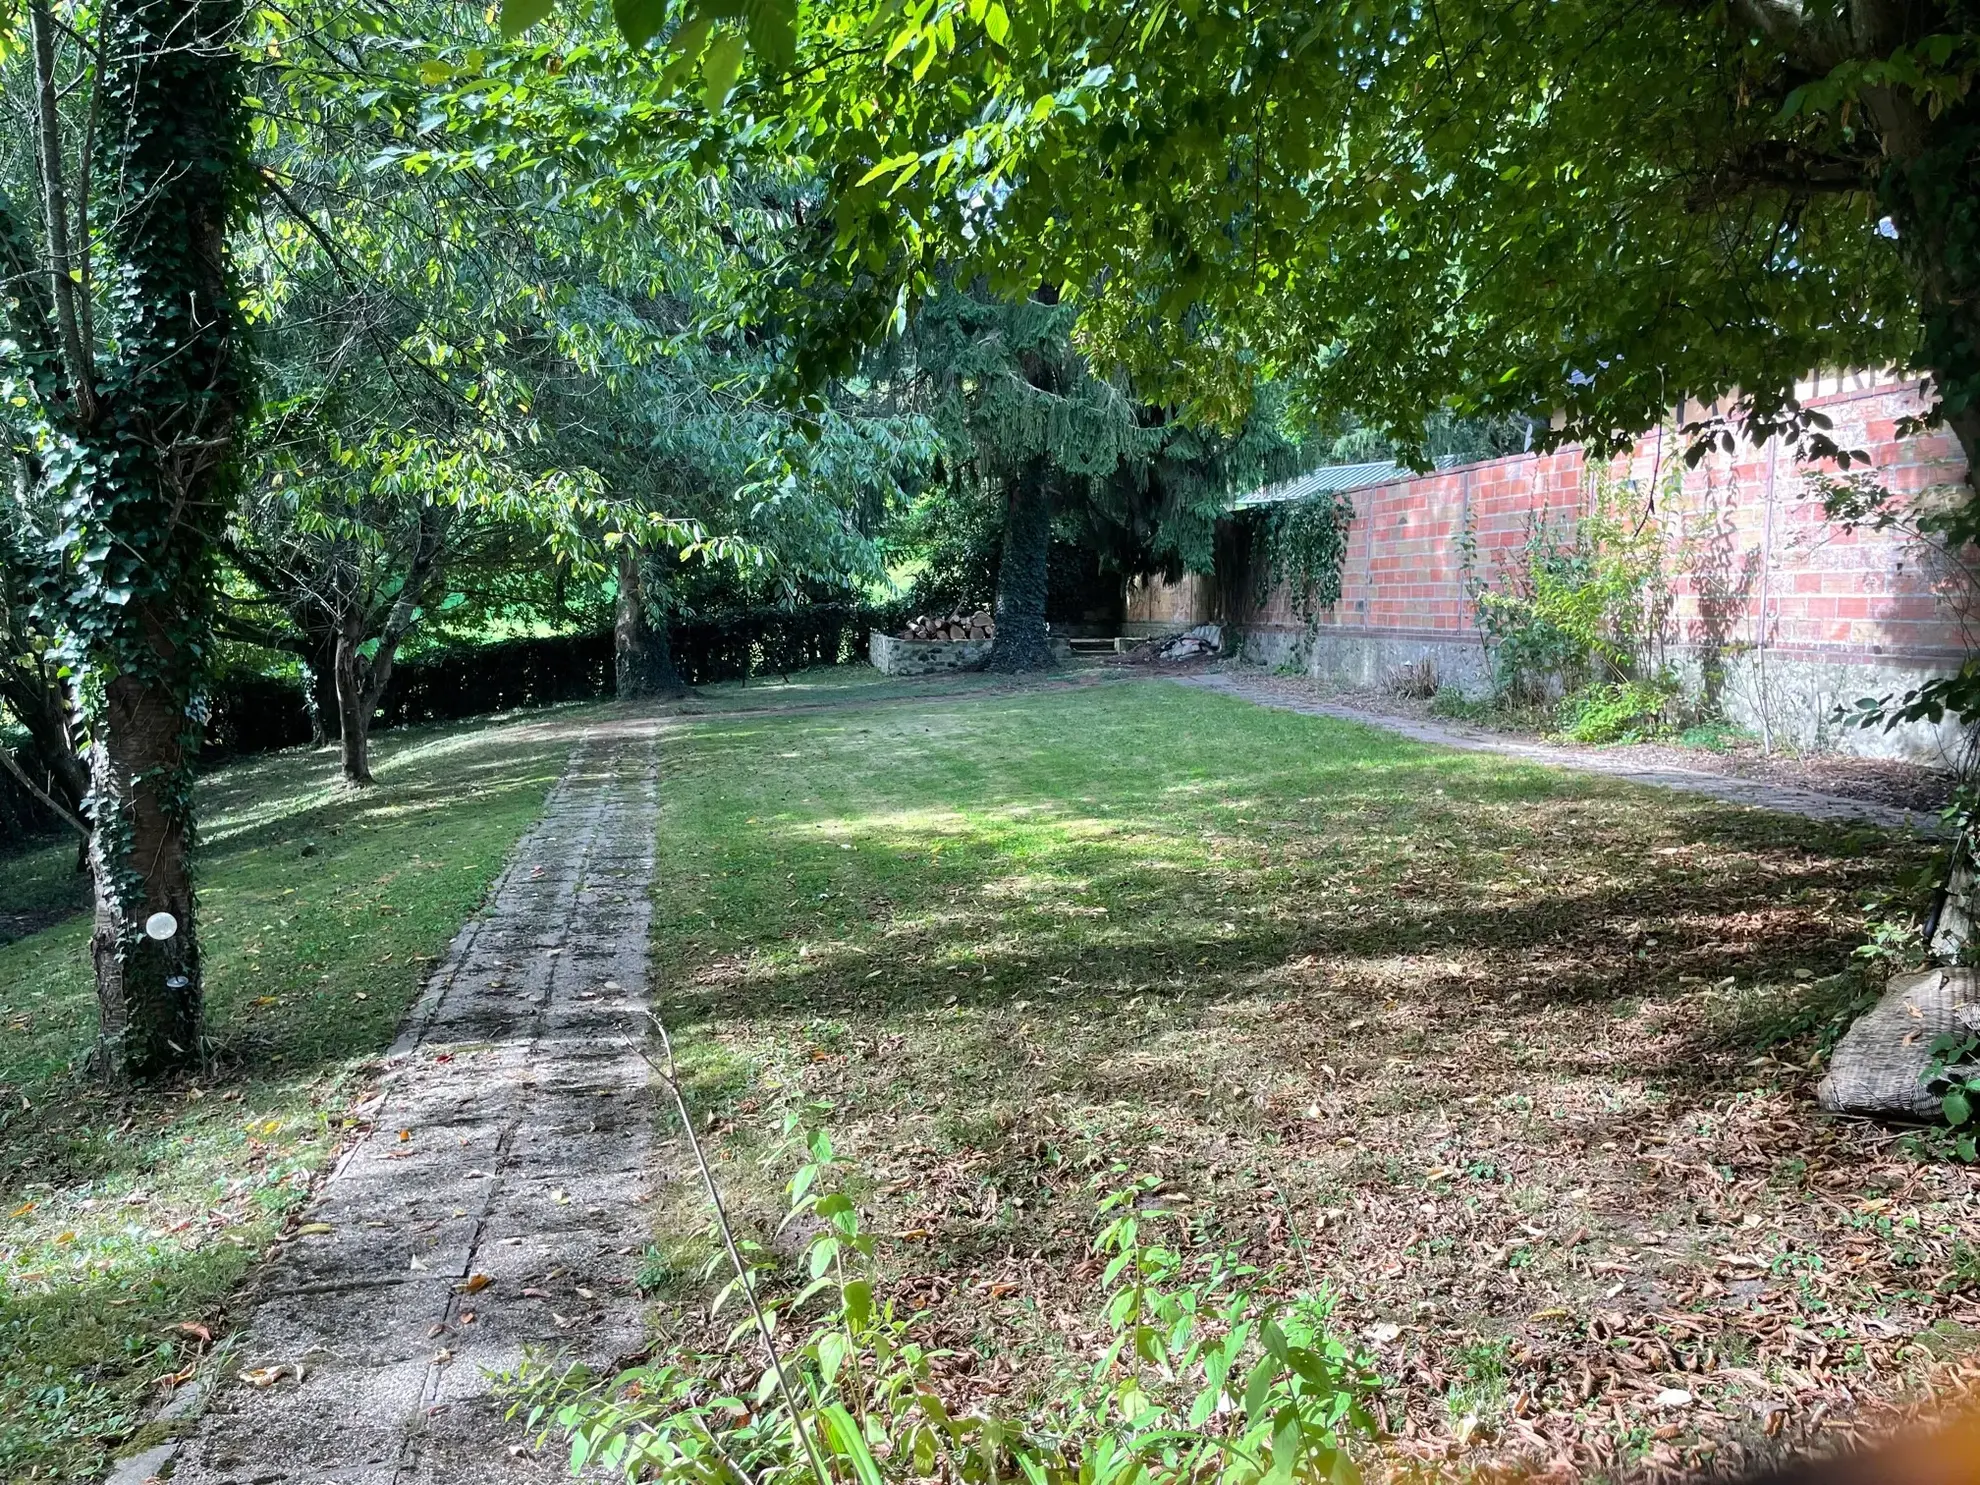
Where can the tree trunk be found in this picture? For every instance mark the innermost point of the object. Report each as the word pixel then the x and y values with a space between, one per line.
pixel 353 708
pixel 320 690
pixel 361 683
pixel 1929 188
pixel 1021 643
pixel 145 947
pixel 156 473
pixel 642 658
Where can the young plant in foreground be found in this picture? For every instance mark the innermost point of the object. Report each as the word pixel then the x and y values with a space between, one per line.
pixel 1207 1378
pixel 1953 1076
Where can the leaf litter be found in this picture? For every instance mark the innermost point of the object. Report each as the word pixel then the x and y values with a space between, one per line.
pixel 1521 1071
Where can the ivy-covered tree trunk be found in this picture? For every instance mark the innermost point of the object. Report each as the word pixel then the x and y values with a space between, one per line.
pixel 146 478
pixel 1022 575
pixel 145 946
pixel 642 658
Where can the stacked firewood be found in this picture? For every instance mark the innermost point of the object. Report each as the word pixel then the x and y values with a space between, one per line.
pixel 952 628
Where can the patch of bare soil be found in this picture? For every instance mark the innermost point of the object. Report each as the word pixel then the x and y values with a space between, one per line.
pixel 1911 786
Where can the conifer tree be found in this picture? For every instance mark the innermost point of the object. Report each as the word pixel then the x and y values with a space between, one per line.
pixel 1051 443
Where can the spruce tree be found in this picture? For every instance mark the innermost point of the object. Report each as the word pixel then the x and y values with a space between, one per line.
pixel 1054 445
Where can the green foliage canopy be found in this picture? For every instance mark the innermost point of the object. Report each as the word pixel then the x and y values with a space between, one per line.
pixel 1588 206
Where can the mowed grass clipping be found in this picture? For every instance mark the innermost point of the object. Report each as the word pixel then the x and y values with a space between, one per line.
pixel 1518 1062
pixel 127 1219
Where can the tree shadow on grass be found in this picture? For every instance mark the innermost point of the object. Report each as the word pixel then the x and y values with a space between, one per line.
pixel 1449 1034
pixel 312 960
pixel 1084 920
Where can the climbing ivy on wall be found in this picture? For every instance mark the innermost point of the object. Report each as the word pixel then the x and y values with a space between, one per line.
pixel 1302 544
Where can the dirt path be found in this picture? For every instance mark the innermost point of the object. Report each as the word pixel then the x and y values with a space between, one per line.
pixel 496 1201
pixel 1724 787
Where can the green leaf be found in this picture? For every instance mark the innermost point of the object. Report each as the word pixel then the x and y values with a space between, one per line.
pixel 519 15
pixel 823 1251
pixel 858 1297
pixel 885 167
pixel 773 32
pixel 639 21
pixel 801 1182
pixel 843 1434
pixel 721 67
pixel 831 1355
pixel 1957 1107
pixel 1258 1388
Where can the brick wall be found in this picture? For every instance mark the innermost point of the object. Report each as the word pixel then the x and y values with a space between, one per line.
pixel 1800 613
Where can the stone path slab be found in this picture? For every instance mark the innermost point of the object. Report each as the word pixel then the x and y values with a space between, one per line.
pixel 496 1202
pixel 1724 787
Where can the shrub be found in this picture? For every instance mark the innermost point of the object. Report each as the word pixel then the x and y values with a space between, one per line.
pixel 1452 703
pixel 1582 609
pixel 1616 711
pixel 1714 737
pixel 1206 1377
pixel 1414 681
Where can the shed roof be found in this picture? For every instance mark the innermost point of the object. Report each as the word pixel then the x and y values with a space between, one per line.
pixel 1335 477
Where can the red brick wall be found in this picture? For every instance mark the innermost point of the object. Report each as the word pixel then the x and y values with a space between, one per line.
pixel 1807 588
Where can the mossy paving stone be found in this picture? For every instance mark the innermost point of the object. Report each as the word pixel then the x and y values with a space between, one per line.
pixel 507 1151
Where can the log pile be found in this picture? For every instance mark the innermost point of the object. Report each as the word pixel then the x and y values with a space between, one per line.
pixel 951 628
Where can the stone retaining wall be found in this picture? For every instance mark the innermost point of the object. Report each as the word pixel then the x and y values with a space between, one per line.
pixel 893 656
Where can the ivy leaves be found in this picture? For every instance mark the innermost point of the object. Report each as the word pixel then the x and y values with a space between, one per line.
pixel 1303 544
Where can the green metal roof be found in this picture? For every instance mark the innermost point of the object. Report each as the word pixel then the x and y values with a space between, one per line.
pixel 1332 477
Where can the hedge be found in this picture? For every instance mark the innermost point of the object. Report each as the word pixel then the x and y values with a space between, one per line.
pixel 255 713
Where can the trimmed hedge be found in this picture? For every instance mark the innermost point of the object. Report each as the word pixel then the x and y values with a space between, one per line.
pixel 257 714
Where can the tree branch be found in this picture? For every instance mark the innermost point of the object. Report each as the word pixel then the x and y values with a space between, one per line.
pixel 1777 164
pixel 48 800
pixel 55 208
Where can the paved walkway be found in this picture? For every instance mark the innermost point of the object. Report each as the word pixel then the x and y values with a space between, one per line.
pixel 496 1202
pixel 1725 787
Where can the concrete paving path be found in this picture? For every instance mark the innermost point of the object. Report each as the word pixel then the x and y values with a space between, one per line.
pixel 496 1202
pixel 1724 787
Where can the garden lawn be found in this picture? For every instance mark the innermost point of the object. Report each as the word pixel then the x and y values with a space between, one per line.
pixel 1519 1062
pixel 127 1220
pixel 39 886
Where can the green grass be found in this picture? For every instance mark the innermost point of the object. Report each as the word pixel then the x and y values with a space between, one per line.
pixel 839 685
pixel 123 1217
pixel 1391 1018
pixel 38 885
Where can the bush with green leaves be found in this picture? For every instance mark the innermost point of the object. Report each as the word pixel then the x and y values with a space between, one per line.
pixel 1583 611
pixel 1953 1075
pixel 1617 711
pixel 1207 1377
